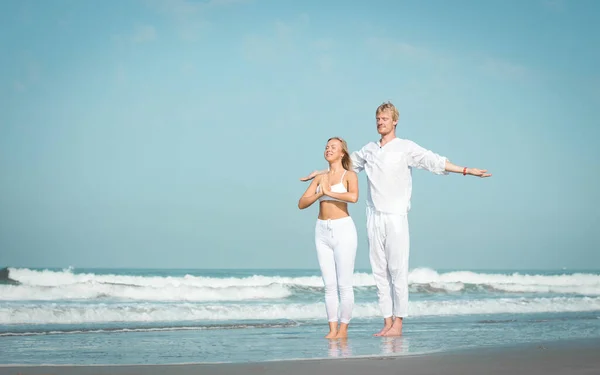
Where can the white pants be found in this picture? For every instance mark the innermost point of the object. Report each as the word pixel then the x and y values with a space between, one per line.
pixel 388 252
pixel 336 242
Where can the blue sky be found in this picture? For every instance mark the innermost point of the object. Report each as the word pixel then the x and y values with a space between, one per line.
pixel 173 133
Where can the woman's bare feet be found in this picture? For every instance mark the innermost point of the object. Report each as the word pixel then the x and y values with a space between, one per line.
pixel 343 331
pixel 333 330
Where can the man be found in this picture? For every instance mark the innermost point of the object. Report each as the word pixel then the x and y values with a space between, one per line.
pixel 388 164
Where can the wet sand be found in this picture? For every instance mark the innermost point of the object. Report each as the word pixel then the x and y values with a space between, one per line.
pixel 561 357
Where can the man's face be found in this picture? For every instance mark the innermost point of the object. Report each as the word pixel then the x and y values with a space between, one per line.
pixel 385 124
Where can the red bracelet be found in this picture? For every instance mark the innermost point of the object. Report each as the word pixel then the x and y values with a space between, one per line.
pixel 464 171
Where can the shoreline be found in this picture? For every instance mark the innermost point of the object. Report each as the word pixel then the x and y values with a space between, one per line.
pixel 580 356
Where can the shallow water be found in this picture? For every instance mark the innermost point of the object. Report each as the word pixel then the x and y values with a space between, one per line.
pixel 177 316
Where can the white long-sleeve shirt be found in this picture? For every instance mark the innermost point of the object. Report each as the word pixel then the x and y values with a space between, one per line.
pixel 389 172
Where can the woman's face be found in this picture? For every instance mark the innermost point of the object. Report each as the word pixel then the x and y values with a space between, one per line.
pixel 334 150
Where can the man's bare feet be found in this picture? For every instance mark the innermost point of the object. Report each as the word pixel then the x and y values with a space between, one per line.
pixel 331 335
pixel 343 331
pixel 396 329
pixel 387 325
pixel 383 331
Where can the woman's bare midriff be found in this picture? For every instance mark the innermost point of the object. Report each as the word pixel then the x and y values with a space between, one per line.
pixel 331 210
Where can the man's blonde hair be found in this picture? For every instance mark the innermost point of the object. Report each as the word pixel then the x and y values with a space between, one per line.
pixel 388 106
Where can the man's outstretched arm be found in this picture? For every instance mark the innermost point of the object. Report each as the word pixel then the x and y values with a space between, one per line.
pixel 453 168
pixel 358 164
pixel 422 158
pixel 313 174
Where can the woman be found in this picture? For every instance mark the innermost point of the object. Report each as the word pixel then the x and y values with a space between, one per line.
pixel 335 233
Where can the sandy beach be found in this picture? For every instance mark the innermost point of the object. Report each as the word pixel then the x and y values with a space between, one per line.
pixel 561 357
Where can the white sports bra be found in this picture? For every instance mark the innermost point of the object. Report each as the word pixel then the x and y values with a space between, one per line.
pixel 337 188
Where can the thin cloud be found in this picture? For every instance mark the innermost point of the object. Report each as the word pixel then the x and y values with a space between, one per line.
pixel 189 16
pixel 29 76
pixel 176 8
pixel 324 44
pixel 19 86
pixel 325 63
pixel 226 2
pixel 325 60
pixel 143 33
pixel 181 7
pixel 287 43
pixel 120 74
pixel 188 68
pixel 285 40
pixel 554 5
pixel 504 69
pixel 186 15
pixel 139 34
pixel 391 49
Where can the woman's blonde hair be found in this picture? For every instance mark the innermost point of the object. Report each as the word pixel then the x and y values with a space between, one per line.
pixel 346 161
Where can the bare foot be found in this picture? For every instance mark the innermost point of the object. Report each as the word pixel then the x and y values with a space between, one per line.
pixel 343 331
pixel 383 331
pixel 333 330
pixel 396 329
pixel 387 324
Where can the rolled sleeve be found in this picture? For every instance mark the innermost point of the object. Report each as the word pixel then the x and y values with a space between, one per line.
pixel 358 160
pixel 423 158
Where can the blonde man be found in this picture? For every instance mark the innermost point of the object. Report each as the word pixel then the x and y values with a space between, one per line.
pixel 388 164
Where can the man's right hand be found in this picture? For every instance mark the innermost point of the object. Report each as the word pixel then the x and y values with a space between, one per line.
pixel 312 175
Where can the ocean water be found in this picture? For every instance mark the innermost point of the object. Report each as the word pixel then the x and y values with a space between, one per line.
pixel 142 316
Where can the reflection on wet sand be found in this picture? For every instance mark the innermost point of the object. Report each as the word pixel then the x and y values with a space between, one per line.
pixel 339 348
pixel 394 345
pixel 342 348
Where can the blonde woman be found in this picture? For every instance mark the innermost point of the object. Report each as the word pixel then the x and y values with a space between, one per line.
pixel 335 233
